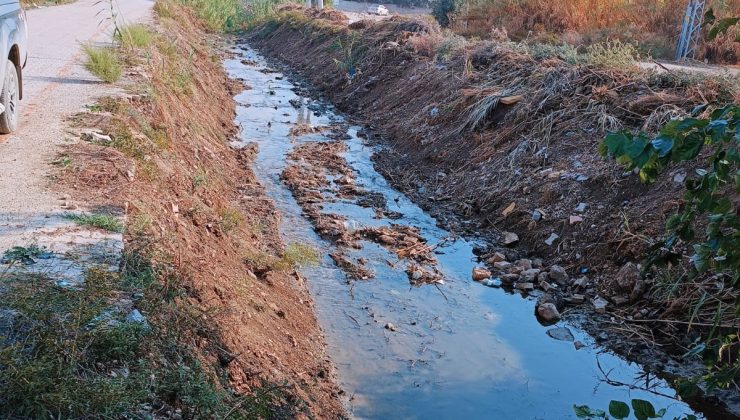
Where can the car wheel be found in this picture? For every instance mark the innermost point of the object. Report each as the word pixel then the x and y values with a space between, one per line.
pixel 9 97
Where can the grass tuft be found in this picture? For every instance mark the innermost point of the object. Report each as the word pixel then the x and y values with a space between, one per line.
pixel 297 255
pixel 135 36
pixel 103 62
pixel 100 221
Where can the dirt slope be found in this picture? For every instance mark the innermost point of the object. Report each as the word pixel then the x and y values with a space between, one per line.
pixel 491 140
pixel 221 293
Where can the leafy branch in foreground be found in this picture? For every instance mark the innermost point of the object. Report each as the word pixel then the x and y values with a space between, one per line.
pixel 708 193
pixel 641 409
pixel 711 194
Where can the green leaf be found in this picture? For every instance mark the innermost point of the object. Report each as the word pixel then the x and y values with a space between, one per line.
pixel 614 143
pixel 688 148
pixel 702 257
pixel 663 145
pixel 643 409
pixel 619 409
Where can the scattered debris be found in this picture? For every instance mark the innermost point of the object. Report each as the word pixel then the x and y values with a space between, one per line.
pixel 551 239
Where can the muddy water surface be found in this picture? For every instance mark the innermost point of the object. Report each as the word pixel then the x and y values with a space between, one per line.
pixel 459 349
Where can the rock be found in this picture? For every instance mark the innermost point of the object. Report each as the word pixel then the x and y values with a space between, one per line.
pixel 480 274
pixel 529 275
pixel 581 283
pixel 536 215
pixel 496 257
pixel 575 219
pixel 544 285
pixel 525 286
pixel 543 276
pixel 510 238
pixel 581 207
pixel 551 239
pixel 509 278
pixel 599 305
pixel 100 138
pixel 494 282
pixel 136 317
pixel 502 265
pixel 390 327
pixel 386 239
pixel 579 345
pixel 627 277
pixel 620 300
pixel 561 333
pixel 558 275
pixel 548 312
pixel 537 263
pixel 679 177
pixel 524 263
pixel 638 290
pixel 576 299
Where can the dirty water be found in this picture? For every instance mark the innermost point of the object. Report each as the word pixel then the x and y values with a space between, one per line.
pixel 456 350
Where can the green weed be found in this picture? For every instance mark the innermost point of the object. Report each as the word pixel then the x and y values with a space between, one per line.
pixel 135 36
pixel 100 221
pixel 230 219
pixel 297 255
pixel 24 255
pixel 103 62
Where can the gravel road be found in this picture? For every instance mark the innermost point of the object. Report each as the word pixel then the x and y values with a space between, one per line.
pixel 55 86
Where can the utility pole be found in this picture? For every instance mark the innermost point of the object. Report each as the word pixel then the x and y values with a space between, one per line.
pixel 319 4
pixel 688 42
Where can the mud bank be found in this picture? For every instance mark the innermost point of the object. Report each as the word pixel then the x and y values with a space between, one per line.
pixel 230 327
pixel 525 162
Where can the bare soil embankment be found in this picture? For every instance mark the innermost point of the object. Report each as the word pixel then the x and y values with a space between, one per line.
pixel 493 141
pixel 223 291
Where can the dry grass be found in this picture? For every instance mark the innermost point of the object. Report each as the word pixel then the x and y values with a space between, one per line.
pixel 654 25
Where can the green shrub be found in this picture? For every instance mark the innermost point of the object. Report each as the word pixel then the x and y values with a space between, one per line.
pixel 135 36
pixel 103 62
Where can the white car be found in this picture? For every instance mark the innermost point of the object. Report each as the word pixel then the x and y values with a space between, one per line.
pixel 379 10
pixel 13 41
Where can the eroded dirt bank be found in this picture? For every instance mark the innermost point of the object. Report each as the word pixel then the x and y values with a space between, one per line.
pixel 494 142
pixel 208 317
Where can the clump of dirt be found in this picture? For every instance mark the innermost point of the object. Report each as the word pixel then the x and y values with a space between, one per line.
pixel 194 205
pixel 485 132
pixel 317 174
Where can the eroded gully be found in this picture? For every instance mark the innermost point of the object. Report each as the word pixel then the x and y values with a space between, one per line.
pixel 451 349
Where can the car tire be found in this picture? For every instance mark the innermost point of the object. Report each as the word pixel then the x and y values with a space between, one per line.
pixel 9 97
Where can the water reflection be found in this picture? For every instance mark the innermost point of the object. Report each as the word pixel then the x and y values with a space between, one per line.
pixel 459 351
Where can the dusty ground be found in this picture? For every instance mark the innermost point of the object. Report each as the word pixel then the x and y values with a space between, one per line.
pixel 528 166
pixel 55 85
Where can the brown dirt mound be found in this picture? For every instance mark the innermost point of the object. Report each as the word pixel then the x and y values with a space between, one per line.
pixel 208 218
